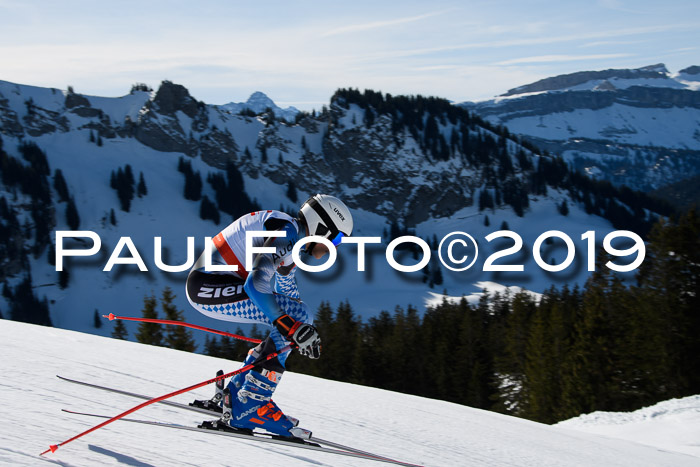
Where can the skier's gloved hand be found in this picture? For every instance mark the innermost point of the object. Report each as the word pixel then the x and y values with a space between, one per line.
pixel 305 336
pixel 313 350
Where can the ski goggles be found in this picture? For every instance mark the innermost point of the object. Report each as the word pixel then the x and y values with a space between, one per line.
pixel 337 239
pixel 325 232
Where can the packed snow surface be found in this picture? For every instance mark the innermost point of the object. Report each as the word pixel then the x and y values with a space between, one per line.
pixel 672 425
pixel 410 428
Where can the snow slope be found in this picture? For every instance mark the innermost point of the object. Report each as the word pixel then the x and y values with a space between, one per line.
pixel 414 429
pixel 672 425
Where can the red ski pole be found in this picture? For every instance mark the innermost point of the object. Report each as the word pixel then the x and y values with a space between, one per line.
pixel 112 317
pixel 54 447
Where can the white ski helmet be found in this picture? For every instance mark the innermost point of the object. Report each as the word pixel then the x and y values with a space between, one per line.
pixel 326 216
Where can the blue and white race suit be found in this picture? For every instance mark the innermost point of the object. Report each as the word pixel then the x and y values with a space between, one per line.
pixel 260 295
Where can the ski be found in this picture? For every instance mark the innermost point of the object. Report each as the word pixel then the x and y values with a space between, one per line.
pixel 177 405
pixel 217 412
pixel 258 437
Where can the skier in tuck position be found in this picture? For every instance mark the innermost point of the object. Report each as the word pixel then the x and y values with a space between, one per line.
pixel 267 295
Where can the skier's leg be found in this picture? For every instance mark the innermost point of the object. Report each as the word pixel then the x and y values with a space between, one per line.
pixel 253 406
pixel 251 391
pixel 296 309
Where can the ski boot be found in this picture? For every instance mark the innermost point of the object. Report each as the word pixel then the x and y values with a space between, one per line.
pixel 252 406
pixel 258 353
pixel 295 434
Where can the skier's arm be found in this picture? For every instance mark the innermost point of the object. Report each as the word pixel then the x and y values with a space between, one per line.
pixel 259 288
pixel 286 283
pixel 258 284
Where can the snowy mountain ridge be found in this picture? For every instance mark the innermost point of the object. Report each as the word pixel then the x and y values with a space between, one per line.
pixel 611 79
pixel 638 127
pixel 384 167
pixel 410 428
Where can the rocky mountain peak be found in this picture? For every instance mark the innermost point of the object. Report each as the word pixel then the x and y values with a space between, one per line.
pixel 562 82
pixel 692 71
pixel 259 102
pixel 260 99
pixel 76 100
pixel 172 97
pixel 658 68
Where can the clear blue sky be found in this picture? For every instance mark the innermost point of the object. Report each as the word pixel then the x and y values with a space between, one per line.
pixel 299 52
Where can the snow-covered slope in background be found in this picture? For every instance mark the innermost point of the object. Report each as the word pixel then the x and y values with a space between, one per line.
pixel 639 127
pixel 673 425
pixel 410 428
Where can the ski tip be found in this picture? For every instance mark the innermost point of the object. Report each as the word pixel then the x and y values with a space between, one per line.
pixel 110 316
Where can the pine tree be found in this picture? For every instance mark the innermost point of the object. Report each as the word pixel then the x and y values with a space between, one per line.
pixel 142 190
pixel 72 216
pixel 123 183
pixel 129 175
pixel 540 370
pixel 59 184
pixel 475 360
pixel 342 339
pixel 63 278
pixel 207 210
pixel 211 346
pixel 563 208
pixel 119 331
pixel 177 337
pixel 97 321
pixel 193 184
pixel 588 369
pixel 511 360
pixel 324 323
pixel 436 276
pixel 670 279
pixel 27 307
pixel 150 333
pixel 51 255
pixel 292 191
pixel 7 291
pixel 485 200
